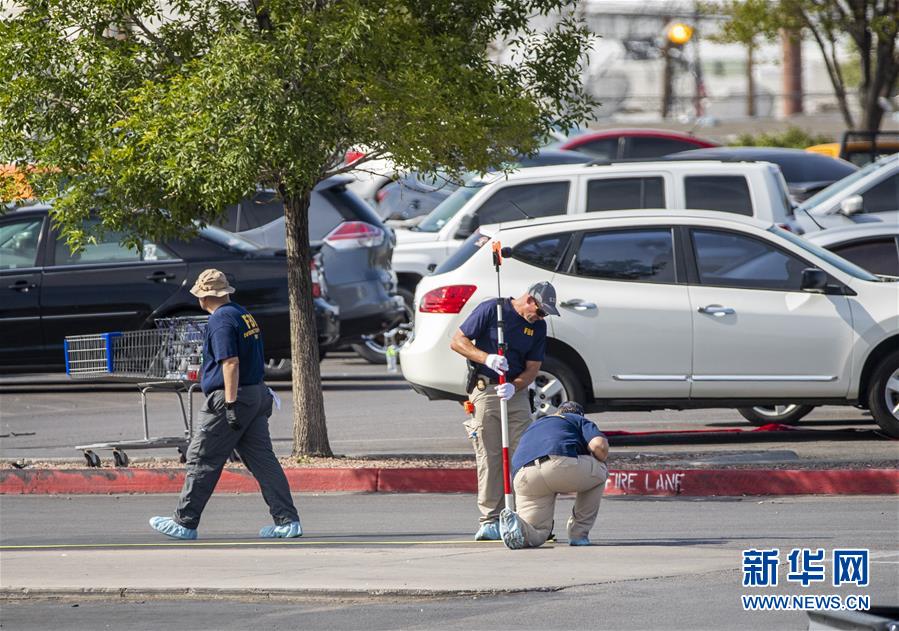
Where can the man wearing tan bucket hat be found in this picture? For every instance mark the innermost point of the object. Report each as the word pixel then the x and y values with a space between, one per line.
pixel 234 417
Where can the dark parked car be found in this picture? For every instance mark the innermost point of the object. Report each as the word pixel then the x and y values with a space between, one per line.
pixel 806 173
pixel 633 144
pixel 48 293
pixel 356 249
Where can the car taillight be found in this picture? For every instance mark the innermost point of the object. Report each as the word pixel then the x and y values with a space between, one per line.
pixel 355 234
pixel 448 299
pixel 353 155
pixel 315 273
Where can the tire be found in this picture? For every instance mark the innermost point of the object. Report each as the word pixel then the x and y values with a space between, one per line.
pixel 883 394
pixel 783 414
pixel 372 348
pixel 556 383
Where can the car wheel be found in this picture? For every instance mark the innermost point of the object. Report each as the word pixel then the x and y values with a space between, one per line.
pixel 789 414
pixel 556 383
pixel 883 394
pixel 373 349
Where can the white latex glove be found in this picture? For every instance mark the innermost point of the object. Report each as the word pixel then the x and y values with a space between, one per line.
pixel 497 363
pixel 505 391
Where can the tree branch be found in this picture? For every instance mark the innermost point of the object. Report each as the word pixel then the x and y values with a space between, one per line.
pixel 155 39
pixel 830 64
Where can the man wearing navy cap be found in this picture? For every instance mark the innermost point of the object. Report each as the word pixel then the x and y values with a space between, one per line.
pixel 525 335
pixel 561 453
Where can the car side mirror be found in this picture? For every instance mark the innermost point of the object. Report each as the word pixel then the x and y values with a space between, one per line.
pixel 852 205
pixel 467 226
pixel 814 280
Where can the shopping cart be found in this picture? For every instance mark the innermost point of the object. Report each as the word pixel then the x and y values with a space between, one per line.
pixel 166 358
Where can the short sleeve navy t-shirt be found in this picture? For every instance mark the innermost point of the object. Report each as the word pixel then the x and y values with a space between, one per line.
pixel 524 341
pixel 232 332
pixel 556 435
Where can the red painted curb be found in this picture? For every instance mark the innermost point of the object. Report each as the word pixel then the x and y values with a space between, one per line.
pixel 116 481
pixel 685 482
pixel 428 481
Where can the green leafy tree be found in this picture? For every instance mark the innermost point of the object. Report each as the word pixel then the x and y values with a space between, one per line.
pixel 153 115
pixel 870 26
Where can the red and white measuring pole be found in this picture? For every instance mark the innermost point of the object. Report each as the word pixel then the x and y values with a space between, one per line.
pixel 503 404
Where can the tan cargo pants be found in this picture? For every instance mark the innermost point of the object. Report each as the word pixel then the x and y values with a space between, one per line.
pixel 485 434
pixel 536 488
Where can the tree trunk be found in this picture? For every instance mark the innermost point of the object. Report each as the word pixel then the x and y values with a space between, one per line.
pixel 750 81
pixel 791 47
pixel 310 432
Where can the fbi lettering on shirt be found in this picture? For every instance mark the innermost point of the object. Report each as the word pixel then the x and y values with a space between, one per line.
pixel 252 327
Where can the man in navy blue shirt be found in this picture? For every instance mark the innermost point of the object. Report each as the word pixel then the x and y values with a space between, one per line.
pixel 524 333
pixel 561 453
pixel 234 416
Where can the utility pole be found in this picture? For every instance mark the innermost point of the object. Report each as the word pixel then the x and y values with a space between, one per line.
pixel 676 36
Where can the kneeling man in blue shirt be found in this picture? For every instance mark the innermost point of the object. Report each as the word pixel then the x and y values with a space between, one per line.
pixel 561 453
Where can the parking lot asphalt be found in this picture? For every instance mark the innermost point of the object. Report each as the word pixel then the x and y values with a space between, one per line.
pixel 370 553
pixel 374 413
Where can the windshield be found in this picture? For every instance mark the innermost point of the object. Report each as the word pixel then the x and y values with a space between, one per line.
pixel 449 207
pixel 228 239
pixel 838 186
pixel 840 263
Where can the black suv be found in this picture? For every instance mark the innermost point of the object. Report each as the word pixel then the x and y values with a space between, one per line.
pixel 356 249
pixel 48 293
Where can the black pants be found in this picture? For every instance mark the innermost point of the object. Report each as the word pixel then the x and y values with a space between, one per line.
pixel 213 442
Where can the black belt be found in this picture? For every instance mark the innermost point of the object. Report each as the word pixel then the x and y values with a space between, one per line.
pixel 534 462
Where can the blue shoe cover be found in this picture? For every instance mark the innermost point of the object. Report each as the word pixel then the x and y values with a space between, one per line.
pixel 170 528
pixel 488 531
pixel 510 530
pixel 583 541
pixel 286 531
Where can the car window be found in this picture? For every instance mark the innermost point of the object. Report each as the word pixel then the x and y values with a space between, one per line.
pixel 878 256
pixel 513 203
pixel 727 193
pixel 822 196
pixel 252 212
pixel 647 147
pixel 730 259
pixel 882 197
pixel 19 243
pixel 108 249
pixel 323 217
pixel 601 148
pixel 624 193
pixel 544 251
pixel 816 250
pixel 447 209
pixel 631 255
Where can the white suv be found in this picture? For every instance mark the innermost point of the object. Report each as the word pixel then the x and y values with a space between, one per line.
pixel 686 309
pixel 754 189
